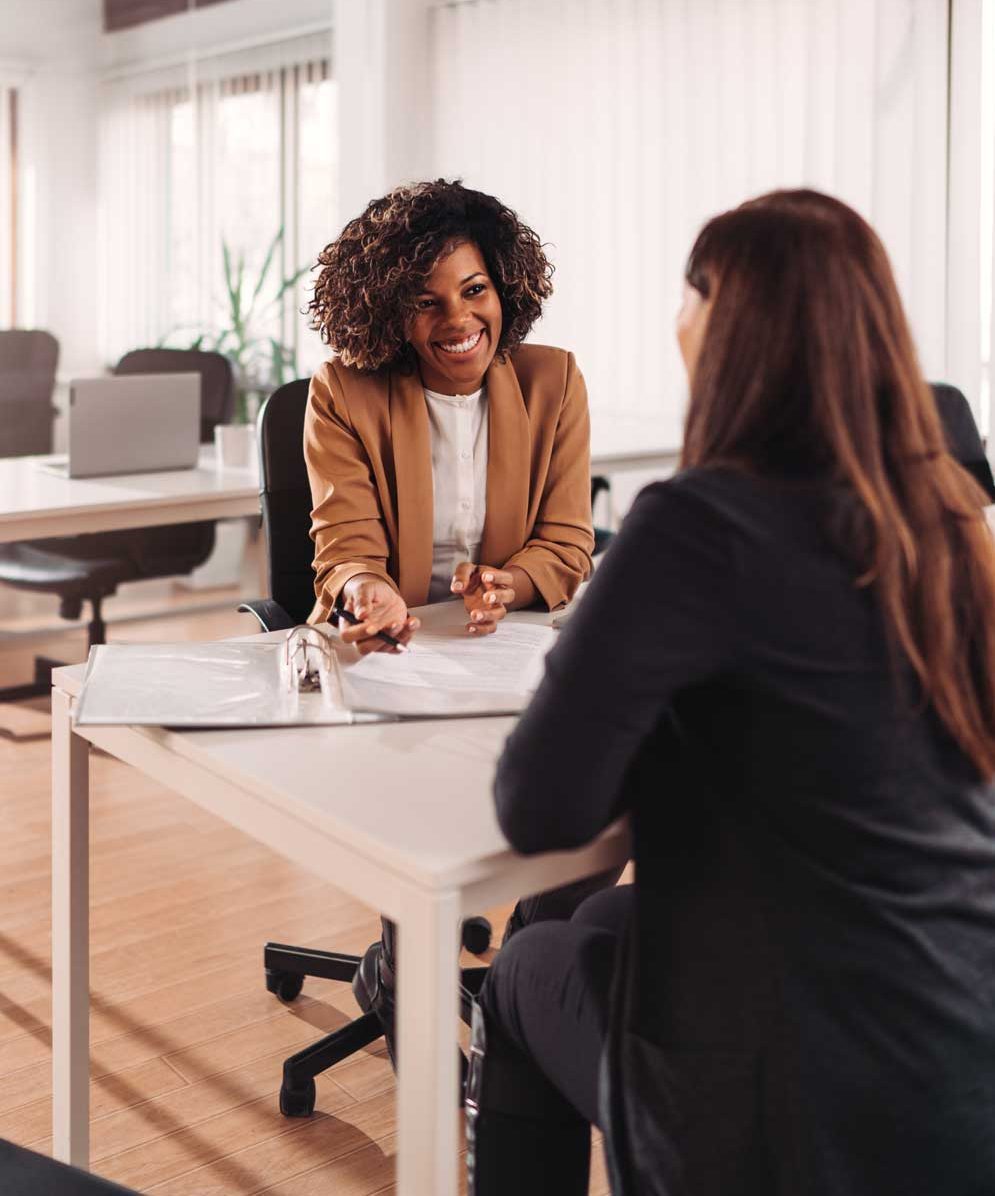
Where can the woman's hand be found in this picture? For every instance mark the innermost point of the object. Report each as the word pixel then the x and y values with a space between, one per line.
pixel 487 594
pixel 381 608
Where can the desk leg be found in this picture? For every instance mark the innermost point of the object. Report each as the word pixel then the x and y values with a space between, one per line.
pixel 70 938
pixel 428 1012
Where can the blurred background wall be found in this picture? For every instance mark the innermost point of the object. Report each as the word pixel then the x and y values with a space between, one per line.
pixel 174 176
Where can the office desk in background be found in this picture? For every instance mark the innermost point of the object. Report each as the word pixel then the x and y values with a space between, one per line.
pixel 35 503
pixel 398 815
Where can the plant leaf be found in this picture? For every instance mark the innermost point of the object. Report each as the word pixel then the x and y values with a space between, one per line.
pixel 236 310
pixel 285 286
pixel 226 260
pixel 264 268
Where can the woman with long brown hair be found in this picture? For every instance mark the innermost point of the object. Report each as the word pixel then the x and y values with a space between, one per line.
pixel 797 711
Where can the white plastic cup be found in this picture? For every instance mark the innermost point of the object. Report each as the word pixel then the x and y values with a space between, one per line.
pixel 234 446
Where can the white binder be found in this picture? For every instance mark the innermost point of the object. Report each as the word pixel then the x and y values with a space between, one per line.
pixel 254 683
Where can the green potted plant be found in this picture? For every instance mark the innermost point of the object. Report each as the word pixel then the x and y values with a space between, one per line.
pixel 261 362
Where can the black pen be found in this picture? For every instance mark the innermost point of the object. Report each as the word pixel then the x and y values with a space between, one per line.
pixel 341 613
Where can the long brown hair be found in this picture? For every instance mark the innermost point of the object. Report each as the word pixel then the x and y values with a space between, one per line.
pixel 807 368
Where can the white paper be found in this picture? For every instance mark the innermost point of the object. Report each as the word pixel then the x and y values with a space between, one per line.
pixel 447 672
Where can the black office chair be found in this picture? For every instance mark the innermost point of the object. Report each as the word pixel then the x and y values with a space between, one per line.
pixel 28 361
pixel 89 568
pixel 25 1173
pixel 602 536
pixel 285 498
pixel 963 438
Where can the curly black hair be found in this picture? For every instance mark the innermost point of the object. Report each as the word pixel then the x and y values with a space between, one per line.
pixel 371 274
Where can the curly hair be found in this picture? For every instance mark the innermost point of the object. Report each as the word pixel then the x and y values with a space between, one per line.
pixel 371 274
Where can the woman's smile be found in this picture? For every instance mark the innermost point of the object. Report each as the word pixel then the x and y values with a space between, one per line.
pixel 460 348
pixel 456 324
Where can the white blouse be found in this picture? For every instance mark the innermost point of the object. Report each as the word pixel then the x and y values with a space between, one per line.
pixel 459 483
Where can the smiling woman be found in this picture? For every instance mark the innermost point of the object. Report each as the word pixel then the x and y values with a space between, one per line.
pixel 444 455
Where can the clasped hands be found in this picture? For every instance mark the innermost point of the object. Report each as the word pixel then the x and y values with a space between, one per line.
pixel 487 594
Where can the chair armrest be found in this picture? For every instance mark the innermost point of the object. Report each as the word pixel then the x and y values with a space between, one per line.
pixel 270 614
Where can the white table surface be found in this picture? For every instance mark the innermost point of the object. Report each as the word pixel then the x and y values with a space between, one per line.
pixel 399 815
pixel 35 502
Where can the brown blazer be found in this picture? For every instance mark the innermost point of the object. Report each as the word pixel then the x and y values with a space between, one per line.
pixel 367 447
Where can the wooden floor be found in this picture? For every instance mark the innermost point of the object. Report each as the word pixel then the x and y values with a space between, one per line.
pixel 186 1043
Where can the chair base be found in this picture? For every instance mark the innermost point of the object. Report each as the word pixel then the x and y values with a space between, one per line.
pixel 285 968
pixel 96 633
pixel 40 687
pixel 297 1092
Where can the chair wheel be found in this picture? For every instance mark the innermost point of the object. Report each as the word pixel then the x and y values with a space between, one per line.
pixel 476 935
pixel 285 985
pixel 297 1102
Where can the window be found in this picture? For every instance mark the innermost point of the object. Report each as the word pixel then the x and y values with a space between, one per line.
pixel 216 189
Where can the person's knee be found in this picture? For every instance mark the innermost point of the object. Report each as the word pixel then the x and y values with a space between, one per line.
pixel 511 974
pixel 608 910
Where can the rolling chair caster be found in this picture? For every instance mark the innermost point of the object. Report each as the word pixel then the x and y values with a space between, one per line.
pixel 285 985
pixel 299 1101
pixel 476 935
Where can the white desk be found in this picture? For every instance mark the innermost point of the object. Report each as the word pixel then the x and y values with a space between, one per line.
pixel 35 502
pixel 398 815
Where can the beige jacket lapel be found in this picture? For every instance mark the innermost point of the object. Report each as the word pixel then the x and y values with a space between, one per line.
pixel 411 443
pixel 508 476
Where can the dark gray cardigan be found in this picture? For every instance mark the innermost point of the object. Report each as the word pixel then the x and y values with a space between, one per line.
pixel 806 1005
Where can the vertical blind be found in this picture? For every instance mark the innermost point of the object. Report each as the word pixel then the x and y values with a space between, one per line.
pixel 616 127
pixel 8 205
pixel 987 238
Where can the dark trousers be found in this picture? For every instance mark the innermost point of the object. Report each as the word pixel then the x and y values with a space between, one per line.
pixel 554 905
pixel 545 1007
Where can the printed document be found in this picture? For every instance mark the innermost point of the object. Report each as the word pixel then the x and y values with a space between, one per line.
pixel 447 672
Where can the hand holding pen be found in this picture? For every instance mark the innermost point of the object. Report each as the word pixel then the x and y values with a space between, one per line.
pixel 376 615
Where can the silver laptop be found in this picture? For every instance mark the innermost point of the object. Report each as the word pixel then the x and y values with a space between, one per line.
pixel 135 423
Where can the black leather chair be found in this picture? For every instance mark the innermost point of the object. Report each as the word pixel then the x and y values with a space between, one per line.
pixel 963 438
pixel 25 1173
pixel 89 568
pixel 285 498
pixel 602 536
pixel 28 361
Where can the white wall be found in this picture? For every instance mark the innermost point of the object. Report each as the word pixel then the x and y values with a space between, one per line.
pixel 52 47
pixel 385 97
pixel 203 30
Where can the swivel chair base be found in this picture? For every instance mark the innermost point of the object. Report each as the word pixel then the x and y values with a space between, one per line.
pixel 41 686
pixel 285 969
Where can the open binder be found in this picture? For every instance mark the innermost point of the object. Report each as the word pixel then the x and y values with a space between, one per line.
pixel 308 676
